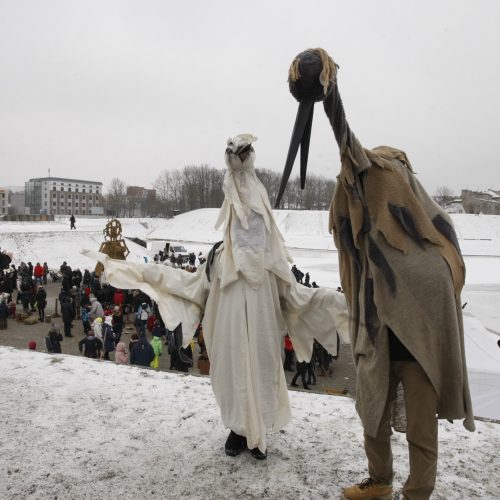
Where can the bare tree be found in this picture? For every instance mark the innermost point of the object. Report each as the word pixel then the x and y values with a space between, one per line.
pixel 443 195
pixel 117 196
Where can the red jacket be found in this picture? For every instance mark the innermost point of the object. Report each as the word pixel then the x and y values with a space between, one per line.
pixel 38 271
pixel 288 343
pixel 118 298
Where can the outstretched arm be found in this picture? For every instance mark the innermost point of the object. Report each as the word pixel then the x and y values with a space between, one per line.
pixel 180 295
pixel 314 313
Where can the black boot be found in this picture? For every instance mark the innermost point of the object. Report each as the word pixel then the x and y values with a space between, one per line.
pixel 235 444
pixel 256 453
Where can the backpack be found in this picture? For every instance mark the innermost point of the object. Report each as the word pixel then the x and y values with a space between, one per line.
pixel 144 314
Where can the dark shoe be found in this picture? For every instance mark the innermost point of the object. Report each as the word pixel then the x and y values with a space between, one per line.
pixel 293 384
pixel 235 444
pixel 307 388
pixel 68 335
pixel 256 453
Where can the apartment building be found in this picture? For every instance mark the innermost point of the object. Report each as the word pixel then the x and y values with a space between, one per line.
pixel 59 196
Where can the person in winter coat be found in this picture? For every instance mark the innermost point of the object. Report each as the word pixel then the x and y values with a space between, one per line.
pixel 117 323
pixel 96 310
pixel 121 356
pixel 77 278
pixel 288 346
pixel 45 272
pixel 76 300
pixel 86 277
pixel 72 221
pixel 97 328
pixel 142 316
pixel 157 346
pixel 67 281
pixel 41 302
pixel 68 315
pixel 4 314
pixel 118 297
pixel 53 340
pixel 142 353
pixel 85 320
pixel 92 346
pixel 108 337
pixel 38 274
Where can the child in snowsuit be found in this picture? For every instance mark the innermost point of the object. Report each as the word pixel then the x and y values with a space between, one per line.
pixel 157 345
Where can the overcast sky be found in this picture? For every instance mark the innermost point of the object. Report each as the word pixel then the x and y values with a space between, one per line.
pixel 126 88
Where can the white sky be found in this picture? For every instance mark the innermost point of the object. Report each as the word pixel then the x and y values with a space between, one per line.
pixel 127 88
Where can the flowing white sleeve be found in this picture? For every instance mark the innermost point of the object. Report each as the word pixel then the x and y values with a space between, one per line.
pixel 181 296
pixel 314 313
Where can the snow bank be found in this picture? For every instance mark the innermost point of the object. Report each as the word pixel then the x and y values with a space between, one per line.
pixel 79 428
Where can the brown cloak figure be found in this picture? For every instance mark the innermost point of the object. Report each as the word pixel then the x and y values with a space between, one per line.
pixel 402 272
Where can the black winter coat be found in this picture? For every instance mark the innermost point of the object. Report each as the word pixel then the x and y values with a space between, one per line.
pixel 41 298
pixel 4 311
pixel 68 312
pixel 55 341
pixel 93 346
pixel 109 338
pixel 142 353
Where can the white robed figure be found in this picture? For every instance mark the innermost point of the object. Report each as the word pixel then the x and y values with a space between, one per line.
pixel 250 300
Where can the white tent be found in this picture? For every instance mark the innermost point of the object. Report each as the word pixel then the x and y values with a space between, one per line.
pixel 483 365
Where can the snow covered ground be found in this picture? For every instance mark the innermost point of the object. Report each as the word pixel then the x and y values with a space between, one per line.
pixel 82 429
pixel 78 428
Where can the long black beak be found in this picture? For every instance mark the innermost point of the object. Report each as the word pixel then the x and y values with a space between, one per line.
pixel 301 136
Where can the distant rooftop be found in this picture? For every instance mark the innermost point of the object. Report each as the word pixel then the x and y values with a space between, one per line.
pixel 63 179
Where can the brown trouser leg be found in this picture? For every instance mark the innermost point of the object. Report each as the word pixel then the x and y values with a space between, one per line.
pixel 421 432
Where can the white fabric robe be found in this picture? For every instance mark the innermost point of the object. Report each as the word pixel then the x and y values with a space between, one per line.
pixel 250 302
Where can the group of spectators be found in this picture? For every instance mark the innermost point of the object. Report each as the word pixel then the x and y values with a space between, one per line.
pixel 180 261
pixel 303 279
pixel 104 311
pixel 27 282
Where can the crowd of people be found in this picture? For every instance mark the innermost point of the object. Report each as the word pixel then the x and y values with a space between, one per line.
pixel 104 311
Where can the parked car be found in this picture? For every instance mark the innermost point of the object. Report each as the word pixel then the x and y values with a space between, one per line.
pixel 176 250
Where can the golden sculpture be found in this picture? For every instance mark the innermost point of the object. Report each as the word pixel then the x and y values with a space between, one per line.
pixel 114 246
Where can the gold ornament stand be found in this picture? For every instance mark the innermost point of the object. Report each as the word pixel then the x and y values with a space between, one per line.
pixel 114 246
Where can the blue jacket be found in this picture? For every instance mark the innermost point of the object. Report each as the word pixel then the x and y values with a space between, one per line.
pixel 142 353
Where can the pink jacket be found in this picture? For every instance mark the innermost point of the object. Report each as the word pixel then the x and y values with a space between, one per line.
pixel 121 356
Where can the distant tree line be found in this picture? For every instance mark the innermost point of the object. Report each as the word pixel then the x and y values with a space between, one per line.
pixel 200 186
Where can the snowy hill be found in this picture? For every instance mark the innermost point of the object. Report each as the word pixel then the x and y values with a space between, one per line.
pixel 83 429
pixel 478 234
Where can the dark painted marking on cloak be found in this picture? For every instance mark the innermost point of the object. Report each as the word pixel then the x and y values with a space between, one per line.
pixel 405 218
pixel 210 258
pixel 447 230
pixel 370 310
pixel 345 234
pixel 378 258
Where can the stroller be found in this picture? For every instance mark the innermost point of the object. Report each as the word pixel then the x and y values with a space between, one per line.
pixel 55 276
